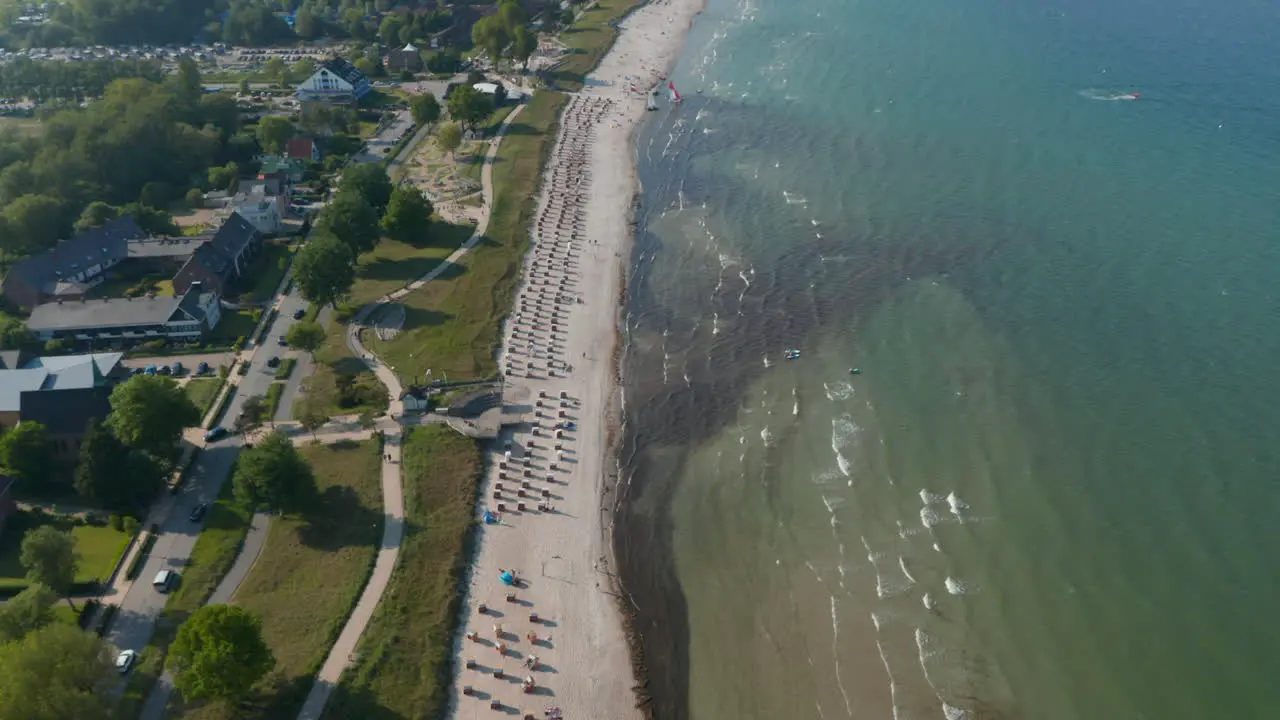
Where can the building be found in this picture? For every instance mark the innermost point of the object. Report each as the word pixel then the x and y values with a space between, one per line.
pixel 221 261
pixel 336 81
pixel 73 267
pixel 61 393
pixel 122 322
pixel 415 399
pixel 287 168
pixel 7 505
pixel 406 58
pixel 302 148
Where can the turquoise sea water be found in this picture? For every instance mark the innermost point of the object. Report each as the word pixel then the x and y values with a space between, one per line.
pixel 1052 491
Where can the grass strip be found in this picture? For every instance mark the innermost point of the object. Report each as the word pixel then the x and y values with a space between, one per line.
pixel 202 392
pixel 452 324
pixel 308 578
pixel 272 400
pixel 286 368
pixel 403 668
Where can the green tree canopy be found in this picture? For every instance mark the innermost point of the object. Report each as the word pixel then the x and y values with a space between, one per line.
pixel 425 109
pixel 449 138
pixel 408 215
pixel 54 673
pixel 312 420
pixel 324 270
pixel 351 219
pixel 369 181
pixel 149 412
pixel 274 133
pixel 35 223
pixel 252 412
pixel 111 475
pixel 49 556
pixel 492 35
pixel 469 106
pixel 306 336
pixel 389 29
pixel 25 451
pixel 219 654
pixel 26 612
pixel 96 214
pixel 274 475
pixel 523 44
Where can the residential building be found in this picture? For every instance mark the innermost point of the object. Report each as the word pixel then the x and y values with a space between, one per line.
pixel 415 399
pixel 121 322
pixel 73 267
pixel 218 263
pixel 62 393
pixel 303 148
pixel 287 168
pixel 335 81
pixel 406 58
pixel 7 505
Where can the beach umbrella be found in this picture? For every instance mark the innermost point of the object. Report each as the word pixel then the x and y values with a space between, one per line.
pixel 507 578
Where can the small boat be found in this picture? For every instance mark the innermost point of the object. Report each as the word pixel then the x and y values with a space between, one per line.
pixel 791 354
pixel 675 94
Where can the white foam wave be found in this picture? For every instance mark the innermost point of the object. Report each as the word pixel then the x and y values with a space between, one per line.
pixel 838 390
pixel 928 601
pixel 929 498
pixel 766 361
pixel 928 517
pixel 956 587
pixel 835 654
pixel 902 563
pixel 793 199
pixel 766 436
pixel 957 505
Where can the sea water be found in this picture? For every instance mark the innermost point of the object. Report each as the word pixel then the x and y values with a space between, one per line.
pixel 1046 236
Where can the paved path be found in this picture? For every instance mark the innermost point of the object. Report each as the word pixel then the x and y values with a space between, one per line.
pixel 343 651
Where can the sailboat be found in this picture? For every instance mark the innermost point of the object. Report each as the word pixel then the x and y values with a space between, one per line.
pixel 675 94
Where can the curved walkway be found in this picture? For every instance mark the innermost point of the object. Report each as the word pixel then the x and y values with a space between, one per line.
pixel 343 651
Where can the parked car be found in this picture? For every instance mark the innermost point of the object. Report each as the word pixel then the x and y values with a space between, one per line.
pixel 125 661
pixel 151 370
pixel 215 434
pixel 283 342
pixel 274 362
pixel 202 368
pixel 299 314
pixel 164 370
pixel 178 369
pixel 197 512
pixel 164 581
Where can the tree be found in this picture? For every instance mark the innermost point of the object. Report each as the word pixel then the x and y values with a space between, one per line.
pixel 274 133
pixel 492 35
pixel 274 475
pixel 306 336
pixel 26 612
pixel 252 412
pixel 469 106
pixel 219 109
pixel 366 66
pixel 324 270
pixel 306 24
pixel 224 177
pixel 96 214
pixel 369 181
pixel 49 556
pixel 425 109
pixel 523 44
pixel 111 475
pixel 449 138
pixel 408 215
pixel 25 451
pixel 58 671
pixel 274 67
pixel 219 654
pixel 566 17
pixel 352 220
pixel 244 87
pixel 390 29
pixel 313 420
pixel 35 222
pixel 148 412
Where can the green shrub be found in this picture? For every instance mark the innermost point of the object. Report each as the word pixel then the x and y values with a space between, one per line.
pixel 129 526
pixel 116 522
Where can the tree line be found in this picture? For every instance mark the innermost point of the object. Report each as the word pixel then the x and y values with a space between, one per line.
pixel 44 80
pixel 143 143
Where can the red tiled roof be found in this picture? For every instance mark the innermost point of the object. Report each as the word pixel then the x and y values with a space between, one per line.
pixel 299 148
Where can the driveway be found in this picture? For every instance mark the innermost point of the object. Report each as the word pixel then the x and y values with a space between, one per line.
pixel 378 146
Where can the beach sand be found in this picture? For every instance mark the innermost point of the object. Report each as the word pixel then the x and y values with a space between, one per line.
pixel 559 341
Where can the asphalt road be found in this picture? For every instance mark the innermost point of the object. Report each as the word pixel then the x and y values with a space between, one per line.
pixel 260 377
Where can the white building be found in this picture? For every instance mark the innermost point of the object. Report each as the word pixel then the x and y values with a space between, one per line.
pixel 335 81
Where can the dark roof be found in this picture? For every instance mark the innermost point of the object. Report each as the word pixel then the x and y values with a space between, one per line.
pixel 109 242
pixel 85 314
pixel 300 148
pixel 268 186
pixel 230 240
pixel 66 412
pixel 160 247
pixel 190 303
pixel 345 70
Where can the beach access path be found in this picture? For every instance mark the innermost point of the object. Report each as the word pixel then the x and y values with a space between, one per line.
pixel 343 651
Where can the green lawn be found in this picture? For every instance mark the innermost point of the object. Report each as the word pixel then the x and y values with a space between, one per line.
pixel 334 359
pixel 309 575
pixel 452 323
pixel 234 324
pixel 272 399
pixel 403 665
pixel 202 392
pixel 215 550
pixel 393 264
pixel 99 547
pixel 265 273
pixel 588 39
pixel 286 368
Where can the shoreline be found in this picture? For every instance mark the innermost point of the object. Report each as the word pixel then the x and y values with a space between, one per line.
pixel 562 354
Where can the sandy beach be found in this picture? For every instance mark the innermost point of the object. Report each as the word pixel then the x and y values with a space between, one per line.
pixel 553 638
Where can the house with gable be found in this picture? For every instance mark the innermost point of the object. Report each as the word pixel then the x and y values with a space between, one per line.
pixel 222 260
pixel 62 393
pixel 73 267
pixel 335 81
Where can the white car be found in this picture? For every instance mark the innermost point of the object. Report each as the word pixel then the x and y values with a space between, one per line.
pixel 125 661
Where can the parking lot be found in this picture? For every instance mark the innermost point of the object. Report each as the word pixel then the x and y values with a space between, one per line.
pixel 190 362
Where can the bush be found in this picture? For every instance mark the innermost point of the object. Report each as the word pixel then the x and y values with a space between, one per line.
pixel 135 567
pixel 116 522
pixel 194 197
pixel 54 347
pixel 223 372
pixel 152 345
pixel 243 369
pixel 86 613
pixel 238 345
pixel 129 526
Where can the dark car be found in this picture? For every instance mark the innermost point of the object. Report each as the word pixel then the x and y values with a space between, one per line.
pixel 215 434
pixel 178 369
pixel 299 314
pixel 283 342
pixel 202 368
pixel 197 512
pixel 164 370
pixel 273 362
